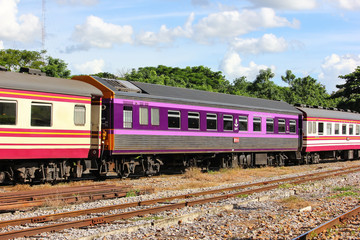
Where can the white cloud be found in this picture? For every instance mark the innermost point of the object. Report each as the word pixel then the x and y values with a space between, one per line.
pixel 165 35
pixel 230 24
pixel 78 2
pixel 24 28
pixel 233 68
pixel 1 45
pixel 348 4
pixel 90 67
pixel 268 43
pixel 334 66
pixel 97 33
pixel 288 4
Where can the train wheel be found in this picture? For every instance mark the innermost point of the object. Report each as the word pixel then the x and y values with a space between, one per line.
pixel 2 177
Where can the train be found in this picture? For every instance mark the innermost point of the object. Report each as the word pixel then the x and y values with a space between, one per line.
pixel 54 129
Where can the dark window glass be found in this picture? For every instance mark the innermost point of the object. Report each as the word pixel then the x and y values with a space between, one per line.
pixel 193 120
pixel 41 114
pixel 337 129
pixel 344 129
pixel 257 124
pixel 321 128
pixel 211 121
pixel 292 126
pixel 351 129
pixel 128 117
pixel 228 122
pixel 281 125
pixel 269 125
pixel 7 112
pixel 173 119
pixel 243 123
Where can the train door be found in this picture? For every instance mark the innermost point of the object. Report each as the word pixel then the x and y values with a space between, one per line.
pixel 95 127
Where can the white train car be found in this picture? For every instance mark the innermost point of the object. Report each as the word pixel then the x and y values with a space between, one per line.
pixel 47 121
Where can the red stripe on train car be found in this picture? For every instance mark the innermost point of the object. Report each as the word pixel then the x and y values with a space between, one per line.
pixel 331 148
pixel 43 153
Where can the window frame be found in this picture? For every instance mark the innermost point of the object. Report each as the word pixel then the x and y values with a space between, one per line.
pixel 155 116
pixel 83 123
pixel 270 122
pixel 39 104
pixel 211 117
pixel 337 129
pixel 128 114
pixel 281 125
pixel 174 114
pixel 16 111
pixel 191 115
pixel 145 117
pixel 329 127
pixel 342 129
pixel 320 129
pixel 292 123
pixel 257 121
pixel 243 119
pixel 228 120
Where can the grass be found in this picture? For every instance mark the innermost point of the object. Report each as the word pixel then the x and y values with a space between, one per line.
pixel 133 193
pixel 345 191
pixel 294 202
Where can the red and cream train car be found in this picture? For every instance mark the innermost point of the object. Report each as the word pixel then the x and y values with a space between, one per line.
pixel 46 118
pixel 330 134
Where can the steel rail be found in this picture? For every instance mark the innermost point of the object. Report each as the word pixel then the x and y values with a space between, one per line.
pixel 110 218
pixel 329 224
pixel 53 217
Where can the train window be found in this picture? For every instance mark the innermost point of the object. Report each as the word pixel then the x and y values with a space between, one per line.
pixel 155 117
pixel 128 116
pixel 173 119
pixel 357 129
pixel 211 121
pixel 194 120
pixel 328 129
pixel 281 125
pixel 143 116
pixel 321 128
pixel 292 126
pixel 270 125
pixel 79 115
pixel 257 124
pixel 344 130
pixel 243 123
pixel 7 112
pixel 41 114
pixel 310 127
pixel 314 127
pixel 337 129
pixel 351 129
pixel 228 122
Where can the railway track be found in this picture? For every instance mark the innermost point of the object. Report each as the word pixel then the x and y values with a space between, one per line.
pixel 11 201
pixel 90 221
pixel 339 220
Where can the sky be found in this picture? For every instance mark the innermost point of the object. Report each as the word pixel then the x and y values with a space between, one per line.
pixel 320 38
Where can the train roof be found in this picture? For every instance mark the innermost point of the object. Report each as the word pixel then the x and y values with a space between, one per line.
pixel 212 98
pixel 329 113
pixel 25 81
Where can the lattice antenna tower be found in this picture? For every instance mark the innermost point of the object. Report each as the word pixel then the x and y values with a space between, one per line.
pixel 43 27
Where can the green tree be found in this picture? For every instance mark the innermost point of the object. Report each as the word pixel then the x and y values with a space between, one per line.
pixel 306 90
pixel 348 94
pixel 13 59
pixel 263 87
pixel 106 75
pixel 198 77
pixel 56 67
